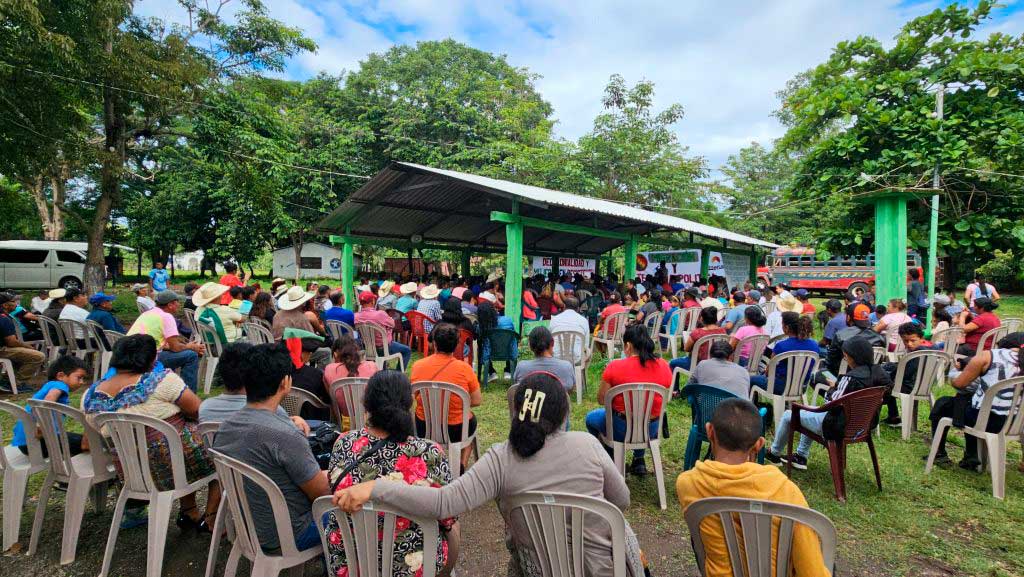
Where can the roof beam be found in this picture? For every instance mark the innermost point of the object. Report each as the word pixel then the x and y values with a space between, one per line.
pixel 506 218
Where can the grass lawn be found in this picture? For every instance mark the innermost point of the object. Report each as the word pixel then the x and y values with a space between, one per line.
pixel 946 523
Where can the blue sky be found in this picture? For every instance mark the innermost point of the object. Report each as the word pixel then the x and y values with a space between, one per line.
pixel 723 61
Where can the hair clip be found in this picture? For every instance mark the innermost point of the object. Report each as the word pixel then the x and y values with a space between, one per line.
pixel 533 402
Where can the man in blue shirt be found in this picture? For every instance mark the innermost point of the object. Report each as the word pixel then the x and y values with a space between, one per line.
pixel 337 312
pixel 102 304
pixel 158 277
pixel 836 323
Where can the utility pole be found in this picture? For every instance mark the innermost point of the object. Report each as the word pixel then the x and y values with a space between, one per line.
pixel 933 234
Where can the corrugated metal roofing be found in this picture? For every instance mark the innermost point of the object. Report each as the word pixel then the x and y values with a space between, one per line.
pixel 408 199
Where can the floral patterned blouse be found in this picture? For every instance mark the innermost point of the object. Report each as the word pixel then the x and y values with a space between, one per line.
pixel 416 462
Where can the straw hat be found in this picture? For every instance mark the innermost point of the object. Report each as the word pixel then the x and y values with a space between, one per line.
pixel 408 288
pixel 493 277
pixel 788 304
pixel 208 293
pixel 385 288
pixel 58 293
pixel 294 298
pixel 281 290
pixel 429 292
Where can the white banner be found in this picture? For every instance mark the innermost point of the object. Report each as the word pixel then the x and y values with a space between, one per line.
pixel 569 266
pixel 736 268
pixel 686 264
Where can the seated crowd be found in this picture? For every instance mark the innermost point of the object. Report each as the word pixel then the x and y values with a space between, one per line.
pixel 154 371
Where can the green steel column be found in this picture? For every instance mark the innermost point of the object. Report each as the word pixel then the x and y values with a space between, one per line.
pixel 890 248
pixel 630 257
pixel 346 272
pixel 465 262
pixel 514 271
pixel 554 265
pixel 705 263
pixel 753 266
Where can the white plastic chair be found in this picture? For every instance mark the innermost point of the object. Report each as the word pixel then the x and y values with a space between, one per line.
pixel 104 347
pixel 257 334
pixel 128 433
pixel 611 338
pixel 758 344
pixel 638 402
pixel 800 366
pixel 7 367
pixel 436 397
pixel 950 338
pixel 652 323
pixel 723 312
pixel 234 475
pixel 338 328
pixel 566 344
pixel 208 431
pixel 556 521
pixel 703 344
pixel 352 390
pixel 768 307
pixel 892 335
pixel 931 370
pixel 666 333
pixel 212 349
pixel 1013 324
pixel 17 468
pixel 995 456
pixel 189 318
pixel 990 338
pixel 686 323
pixel 78 338
pixel 367 555
pixel 84 473
pixel 751 524
pixel 53 337
pixel 297 398
pixel 369 334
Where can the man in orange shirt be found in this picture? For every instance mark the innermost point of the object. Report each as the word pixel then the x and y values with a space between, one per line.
pixel 735 433
pixel 443 367
pixel 231 278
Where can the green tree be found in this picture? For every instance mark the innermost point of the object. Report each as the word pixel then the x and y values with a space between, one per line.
pixel 757 195
pixel 864 123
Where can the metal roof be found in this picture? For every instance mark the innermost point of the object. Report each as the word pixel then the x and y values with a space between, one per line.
pixel 446 206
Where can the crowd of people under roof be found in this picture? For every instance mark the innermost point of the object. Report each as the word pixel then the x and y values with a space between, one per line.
pixel 154 371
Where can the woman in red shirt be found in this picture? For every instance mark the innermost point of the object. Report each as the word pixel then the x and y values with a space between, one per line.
pixel 979 325
pixel 231 279
pixel 641 365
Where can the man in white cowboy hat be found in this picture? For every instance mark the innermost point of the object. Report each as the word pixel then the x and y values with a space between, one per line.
pixel 57 301
pixel 386 296
pixel 293 315
pixel 429 305
pixel 175 351
pixel 786 303
pixel 207 300
pixel 407 302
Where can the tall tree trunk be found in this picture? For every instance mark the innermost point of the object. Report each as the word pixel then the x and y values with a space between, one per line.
pixel 297 247
pixel 58 187
pixel 50 214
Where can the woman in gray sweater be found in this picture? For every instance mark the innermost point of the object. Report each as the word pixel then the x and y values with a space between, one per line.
pixel 533 459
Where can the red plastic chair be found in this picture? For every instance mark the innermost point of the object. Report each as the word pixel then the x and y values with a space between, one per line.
pixel 465 339
pixel 417 322
pixel 861 408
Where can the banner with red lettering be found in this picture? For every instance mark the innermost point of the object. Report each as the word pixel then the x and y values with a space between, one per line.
pixel 569 266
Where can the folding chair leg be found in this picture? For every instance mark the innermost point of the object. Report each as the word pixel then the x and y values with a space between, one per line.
pixel 778 407
pixel 99 496
pixel 115 526
pixel 37 522
pixel 944 424
pixel 15 486
pixel 997 465
pixel 659 472
pixel 836 464
pixel 619 456
pixel 218 528
pixel 908 407
pixel 874 462
pixel 74 509
pixel 232 565
pixel 159 519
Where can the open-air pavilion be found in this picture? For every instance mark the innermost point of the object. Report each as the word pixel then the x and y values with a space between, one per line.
pixel 408 206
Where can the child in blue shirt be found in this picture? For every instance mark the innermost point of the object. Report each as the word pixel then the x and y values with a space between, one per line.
pixel 66 374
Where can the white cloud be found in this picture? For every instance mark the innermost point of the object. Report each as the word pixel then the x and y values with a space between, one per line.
pixel 723 61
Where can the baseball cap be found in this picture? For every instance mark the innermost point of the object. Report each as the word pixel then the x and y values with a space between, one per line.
pixel 834 305
pixel 859 349
pixel 800 293
pixel 755 295
pixel 166 297
pixel 941 300
pixel 365 298
pixel 138 286
pixel 859 313
pixel 6 297
pixel 101 298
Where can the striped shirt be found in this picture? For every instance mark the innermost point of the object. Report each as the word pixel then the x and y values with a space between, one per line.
pixel 1004 366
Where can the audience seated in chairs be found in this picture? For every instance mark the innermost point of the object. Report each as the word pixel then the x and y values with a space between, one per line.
pixel 139 384
pixel 543 346
pixel 533 459
pixel 102 304
pixel 862 374
pixel 718 371
pixel 368 314
pixel 387 448
pixel 735 434
pixel 442 366
pixel 175 352
pixel 708 326
pixel 26 360
pixel 912 335
pixel 858 324
pixel 259 436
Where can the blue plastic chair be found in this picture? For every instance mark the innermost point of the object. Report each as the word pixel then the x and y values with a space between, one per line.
pixel 703 402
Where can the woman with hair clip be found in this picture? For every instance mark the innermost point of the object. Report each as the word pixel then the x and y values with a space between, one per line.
pixel 641 365
pixel 387 448
pixel 533 459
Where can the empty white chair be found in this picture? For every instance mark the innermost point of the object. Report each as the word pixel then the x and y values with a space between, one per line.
pixel 53 337
pixel 611 333
pixel 338 328
pixel 751 525
pixel 638 402
pixel 949 338
pixel 234 475
pixel 652 323
pixel 297 398
pixel 991 446
pixel 17 468
pixel 366 552
pixel 89 471
pixel 370 334
pixel 572 346
pixel 931 370
pixel 800 366
pixel 211 355
pixel 128 433
pixel 350 389
pixel 257 334
pixel 556 522
pixel 436 397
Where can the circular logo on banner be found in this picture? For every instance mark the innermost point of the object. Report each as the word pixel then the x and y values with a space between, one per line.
pixel 335 263
pixel 641 262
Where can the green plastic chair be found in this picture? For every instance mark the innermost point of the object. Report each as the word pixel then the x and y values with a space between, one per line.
pixel 703 402
pixel 504 347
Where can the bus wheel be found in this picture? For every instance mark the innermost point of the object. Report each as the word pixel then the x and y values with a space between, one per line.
pixel 858 289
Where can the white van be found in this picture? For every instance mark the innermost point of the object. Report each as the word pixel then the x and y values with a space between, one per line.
pixel 26 264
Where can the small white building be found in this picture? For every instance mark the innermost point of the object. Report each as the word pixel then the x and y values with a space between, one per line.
pixel 190 261
pixel 318 260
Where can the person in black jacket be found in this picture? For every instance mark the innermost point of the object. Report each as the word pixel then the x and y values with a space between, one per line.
pixel 862 374
pixel 857 325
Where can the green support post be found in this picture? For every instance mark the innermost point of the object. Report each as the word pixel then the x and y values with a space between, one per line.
pixel 890 248
pixel 346 272
pixel 465 262
pixel 753 266
pixel 629 261
pixel 514 269
pixel 554 265
pixel 705 263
